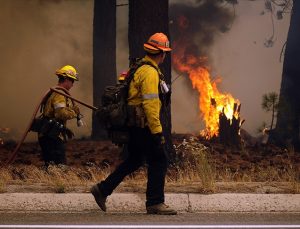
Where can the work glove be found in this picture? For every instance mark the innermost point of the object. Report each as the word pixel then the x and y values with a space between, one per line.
pixel 79 120
pixel 159 139
pixel 159 143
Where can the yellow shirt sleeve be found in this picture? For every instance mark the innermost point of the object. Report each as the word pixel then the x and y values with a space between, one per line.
pixel 150 97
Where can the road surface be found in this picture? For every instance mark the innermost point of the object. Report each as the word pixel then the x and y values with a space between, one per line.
pixel 97 219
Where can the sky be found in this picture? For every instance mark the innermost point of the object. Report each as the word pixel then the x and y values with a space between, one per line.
pixel 39 36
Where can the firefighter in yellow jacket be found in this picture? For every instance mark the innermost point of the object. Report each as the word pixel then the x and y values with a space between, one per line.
pixel 56 110
pixel 146 141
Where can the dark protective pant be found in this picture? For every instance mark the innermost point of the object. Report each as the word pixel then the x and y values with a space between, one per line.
pixel 141 148
pixel 53 150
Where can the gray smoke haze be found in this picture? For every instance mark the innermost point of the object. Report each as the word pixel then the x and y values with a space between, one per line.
pixel 39 36
pixel 195 26
pixel 235 51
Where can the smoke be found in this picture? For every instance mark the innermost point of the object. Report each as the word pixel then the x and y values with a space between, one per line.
pixel 235 51
pixel 194 28
pixel 38 37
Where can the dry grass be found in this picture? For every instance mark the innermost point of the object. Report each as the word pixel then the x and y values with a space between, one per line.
pixel 194 165
pixel 67 179
pixel 60 178
pixel 2 187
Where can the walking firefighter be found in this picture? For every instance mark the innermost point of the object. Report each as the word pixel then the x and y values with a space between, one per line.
pixel 57 106
pixel 146 142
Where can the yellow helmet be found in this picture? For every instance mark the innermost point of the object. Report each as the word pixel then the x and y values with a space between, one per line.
pixel 67 71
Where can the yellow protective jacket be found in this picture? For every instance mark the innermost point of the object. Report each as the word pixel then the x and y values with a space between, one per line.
pixel 143 90
pixel 60 108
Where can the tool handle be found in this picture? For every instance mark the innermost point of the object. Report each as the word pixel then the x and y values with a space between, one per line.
pixel 72 98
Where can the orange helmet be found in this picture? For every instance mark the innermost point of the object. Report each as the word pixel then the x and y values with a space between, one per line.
pixel 157 42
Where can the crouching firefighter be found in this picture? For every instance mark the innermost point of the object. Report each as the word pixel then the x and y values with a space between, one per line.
pixel 146 141
pixel 56 110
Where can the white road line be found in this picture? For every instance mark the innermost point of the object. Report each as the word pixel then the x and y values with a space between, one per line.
pixel 151 226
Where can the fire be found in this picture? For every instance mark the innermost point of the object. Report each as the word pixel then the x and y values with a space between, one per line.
pixel 4 130
pixel 211 101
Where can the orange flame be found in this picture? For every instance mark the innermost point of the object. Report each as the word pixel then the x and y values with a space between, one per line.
pixel 211 101
pixel 4 131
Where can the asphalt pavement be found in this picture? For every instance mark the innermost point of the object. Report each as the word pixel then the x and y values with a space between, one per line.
pixel 142 220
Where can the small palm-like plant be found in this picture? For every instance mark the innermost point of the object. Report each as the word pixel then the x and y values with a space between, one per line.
pixel 270 103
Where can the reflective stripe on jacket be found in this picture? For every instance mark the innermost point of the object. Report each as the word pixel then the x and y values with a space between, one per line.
pixel 143 89
pixel 59 107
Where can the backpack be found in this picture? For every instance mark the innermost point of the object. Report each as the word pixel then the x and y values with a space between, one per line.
pixel 50 126
pixel 112 113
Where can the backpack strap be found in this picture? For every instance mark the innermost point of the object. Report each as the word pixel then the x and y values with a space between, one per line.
pixel 137 64
pixel 161 76
pixel 45 100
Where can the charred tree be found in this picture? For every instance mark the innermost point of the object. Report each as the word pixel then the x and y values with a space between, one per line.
pixel 229 129
pixel 287 127
pixel 146 18
pixel 104 55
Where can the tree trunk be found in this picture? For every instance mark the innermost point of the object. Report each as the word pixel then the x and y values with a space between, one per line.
pixel 273 117
pixel 229 129
pixel 146 18
pixel 286 131
pixel 104 53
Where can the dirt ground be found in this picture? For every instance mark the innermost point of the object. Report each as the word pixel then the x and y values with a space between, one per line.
pixel 255 168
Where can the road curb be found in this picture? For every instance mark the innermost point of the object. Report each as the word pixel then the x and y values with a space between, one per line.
pixel 133 202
